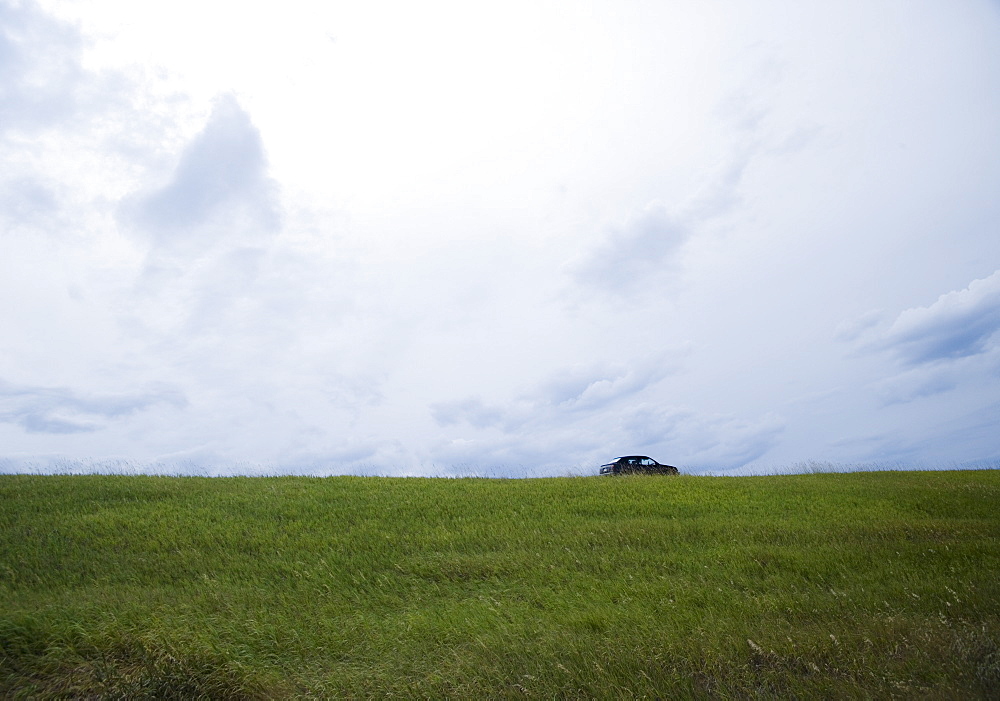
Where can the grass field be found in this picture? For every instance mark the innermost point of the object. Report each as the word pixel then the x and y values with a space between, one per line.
pixel 825 585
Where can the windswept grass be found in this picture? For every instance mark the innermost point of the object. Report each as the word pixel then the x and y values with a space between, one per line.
pixel 846 585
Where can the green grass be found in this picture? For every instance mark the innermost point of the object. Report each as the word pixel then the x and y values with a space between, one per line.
pixel 826 585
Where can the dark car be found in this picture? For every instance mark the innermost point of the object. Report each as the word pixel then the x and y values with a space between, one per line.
pixel 637 465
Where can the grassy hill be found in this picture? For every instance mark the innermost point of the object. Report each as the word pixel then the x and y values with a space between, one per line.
pixel 848 585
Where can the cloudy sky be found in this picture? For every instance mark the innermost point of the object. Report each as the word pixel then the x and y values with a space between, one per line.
pixel 498 238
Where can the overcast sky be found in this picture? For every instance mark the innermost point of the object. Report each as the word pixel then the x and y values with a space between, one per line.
pixel 498 238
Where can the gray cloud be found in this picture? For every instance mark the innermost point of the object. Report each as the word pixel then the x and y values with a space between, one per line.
pixel 933 447
pixel 61 410
pixel 915 384
pixel 940 349
pixel 648 243
pixel 527 456
pixel 26 200
pixel 221 175
pixel 959 324
pixel 633 252
pixel 578 390
pixel 593 387
pixel 700 440
pixel 596 411
pixel 558 444
pixel 471 411
pixel 855 329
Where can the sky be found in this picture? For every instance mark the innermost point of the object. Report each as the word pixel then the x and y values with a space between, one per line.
pixel 502 239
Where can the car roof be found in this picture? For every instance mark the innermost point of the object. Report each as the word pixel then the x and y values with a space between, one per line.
pixel 623 457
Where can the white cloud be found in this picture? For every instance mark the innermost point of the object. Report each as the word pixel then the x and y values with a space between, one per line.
pixel 26 201
pixel 471 411
pixel 355 260
pixel 939 347
pixel 564 393
pixel 959 324
pixel 595 414
pixel 39 69
pixel 934 374
pixel 701 440
pixel 635 255
pixel 220 179
pixel 61 410
pixel 854 329
pixel 585 388
pixel 916 384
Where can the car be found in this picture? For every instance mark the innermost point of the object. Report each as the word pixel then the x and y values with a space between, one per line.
pixel 637 465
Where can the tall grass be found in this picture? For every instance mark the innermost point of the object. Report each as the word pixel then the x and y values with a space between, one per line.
pixel 856 585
